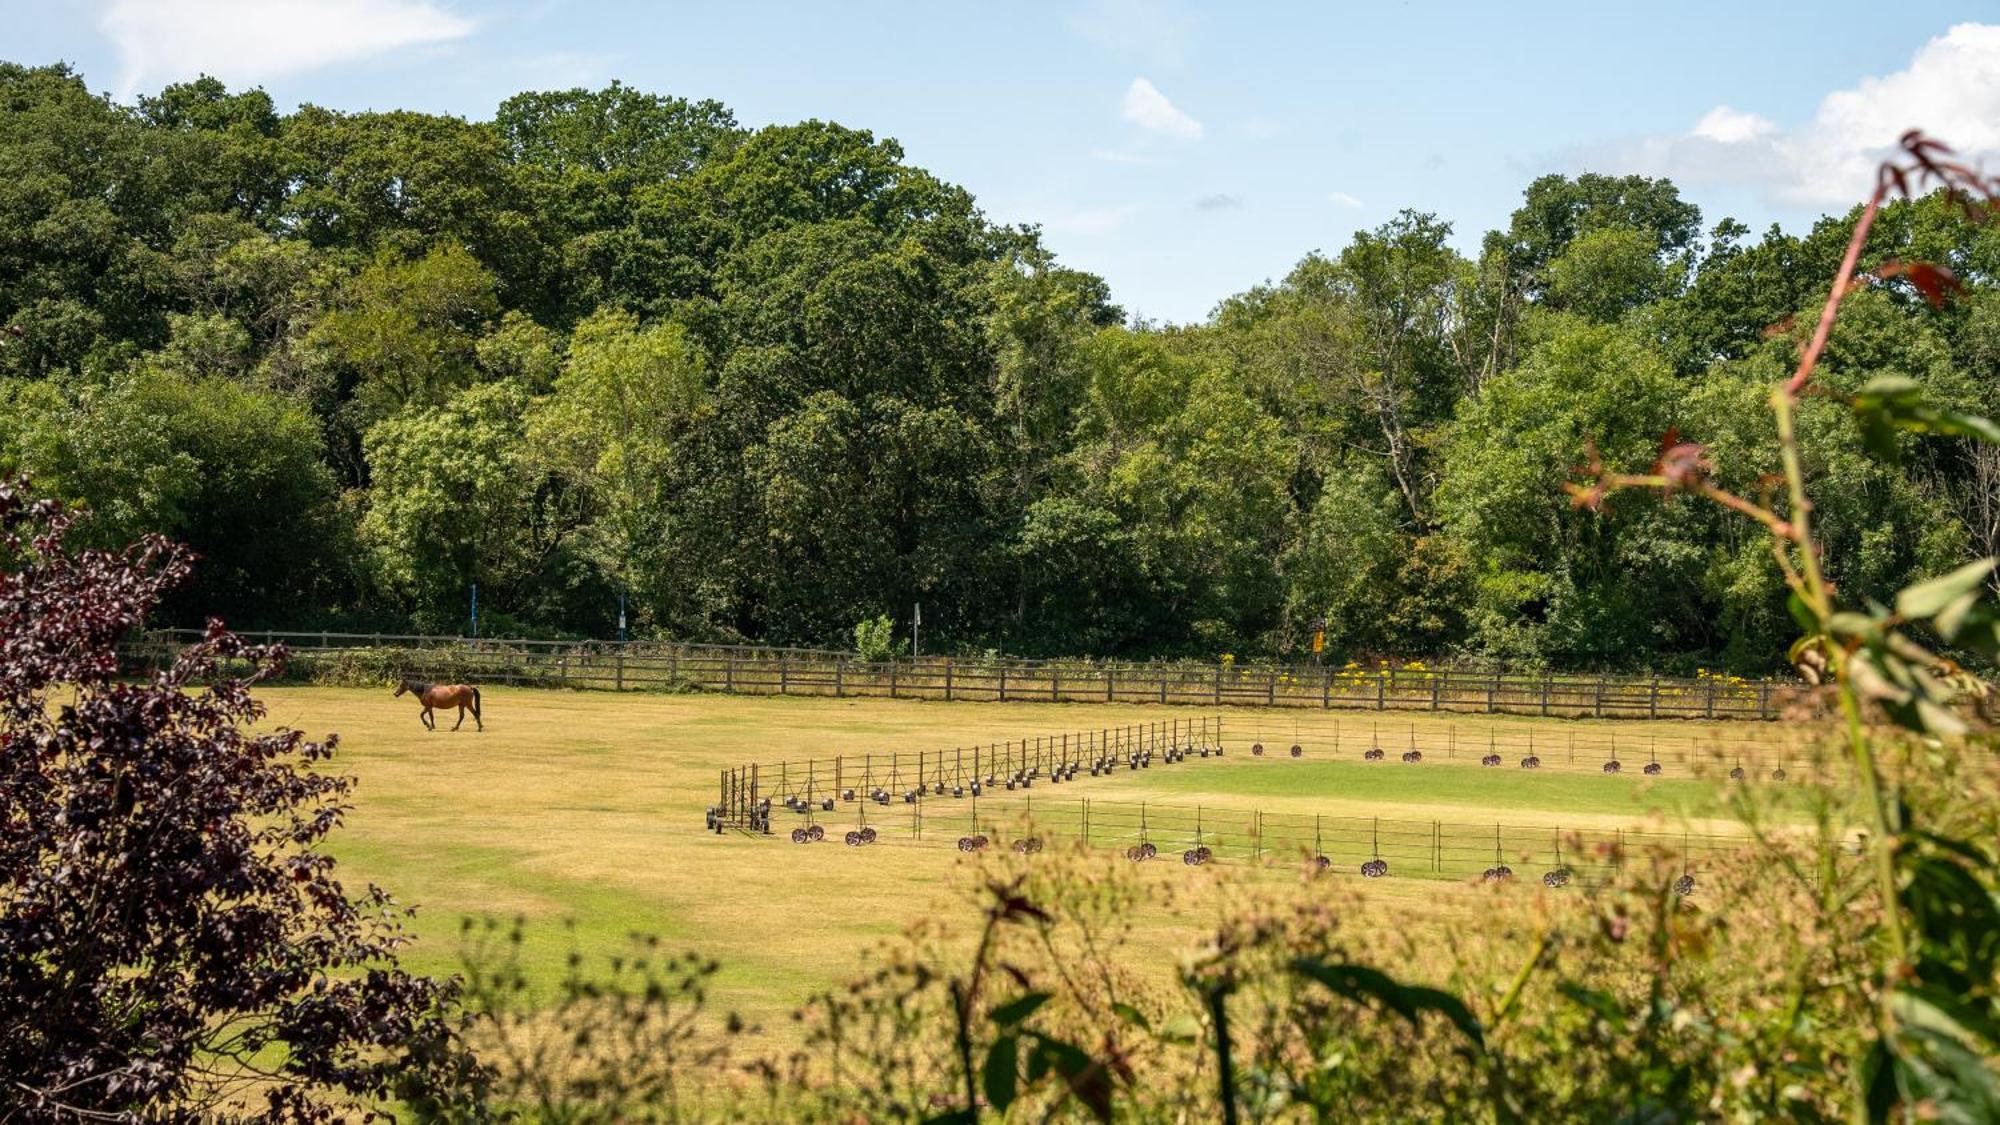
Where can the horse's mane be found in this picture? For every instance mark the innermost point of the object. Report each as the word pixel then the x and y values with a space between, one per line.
pixel 419 686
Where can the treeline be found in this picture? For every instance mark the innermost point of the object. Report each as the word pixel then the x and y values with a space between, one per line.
pixel 767 384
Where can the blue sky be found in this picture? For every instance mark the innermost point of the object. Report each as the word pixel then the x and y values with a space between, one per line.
pixel 1184 151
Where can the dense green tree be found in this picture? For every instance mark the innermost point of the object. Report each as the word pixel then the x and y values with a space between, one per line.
pixel 236 472
pixel 1551 581
pixel 609 431
pixel 403 333
pixel 455 502
pixel 616 129
pixel 769 384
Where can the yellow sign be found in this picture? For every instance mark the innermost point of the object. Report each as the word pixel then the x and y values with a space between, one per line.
pixel 1319 641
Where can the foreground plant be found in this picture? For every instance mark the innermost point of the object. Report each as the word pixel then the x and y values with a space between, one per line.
pixel 173 943
pixel 1934 950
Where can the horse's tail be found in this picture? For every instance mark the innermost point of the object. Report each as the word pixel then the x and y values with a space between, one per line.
pixel 475 705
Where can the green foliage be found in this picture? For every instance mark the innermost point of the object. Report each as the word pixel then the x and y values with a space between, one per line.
pixel 767 381
pixel 875 639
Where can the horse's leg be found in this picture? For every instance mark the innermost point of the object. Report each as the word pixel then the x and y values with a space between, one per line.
pixel 461 717
pixel 430 723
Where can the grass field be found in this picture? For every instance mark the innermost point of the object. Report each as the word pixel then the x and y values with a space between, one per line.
pixel 582 812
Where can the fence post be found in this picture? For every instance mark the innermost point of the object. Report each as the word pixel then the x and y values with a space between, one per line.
pixel 1548 682
pixel 1055 684
pixel 1434 691
pixel 1163 687
pixel 1764 699
pixel 947 679
pixel 1326 689
pixel 1597 704
pixel 784 676
pixel 1492 689
pixel 1381 701
pixel 1653 699
pixel 892 679
pixel 619 679
pixel 729 673
pixel 839 678
pixel 1110 683
pixel 1003 683
pixel 1218 684
pixel 1711 699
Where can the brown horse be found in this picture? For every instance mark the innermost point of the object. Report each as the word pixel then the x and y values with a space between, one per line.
pixel 465 697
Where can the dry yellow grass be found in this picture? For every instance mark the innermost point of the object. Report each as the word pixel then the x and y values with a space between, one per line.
pixel 586 808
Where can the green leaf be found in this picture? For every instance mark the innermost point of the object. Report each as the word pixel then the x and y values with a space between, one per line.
pixel 1802 614
pixel 1850 624
pixel 1935 718
pixel 1879 676
pixel 1890 387
pixel 1360 983
pixel 1945 1012
pixel 1183 1028
pixel 1954 1081
pixel 1878 1078
pixel 1602 1004
pixel 1933 596
pixel 1132 1015
pixel 1889 403
pixel 1088 1082
pixel 1018 1009
pixel 1002 1072
pixel 1953 619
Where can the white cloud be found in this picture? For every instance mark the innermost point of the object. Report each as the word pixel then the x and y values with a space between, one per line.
pixel 1342 199
pixel 1730 126
pixel 1149 109
pixel 1950 90
pixel 247 41
pixel 1154 30
pixel 1220 201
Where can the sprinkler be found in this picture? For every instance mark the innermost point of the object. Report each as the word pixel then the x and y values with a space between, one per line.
pixel 1559 877
pixel 1499 872
pixel 1377 867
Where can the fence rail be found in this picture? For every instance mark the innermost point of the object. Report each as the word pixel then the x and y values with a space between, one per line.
pixel 1420 848
pixel 645 665
pixel 755 795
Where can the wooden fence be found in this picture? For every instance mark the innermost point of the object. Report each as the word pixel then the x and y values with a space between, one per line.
pixel 645 665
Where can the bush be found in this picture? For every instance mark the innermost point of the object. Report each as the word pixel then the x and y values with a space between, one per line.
pixel 172 936
pixel 876 640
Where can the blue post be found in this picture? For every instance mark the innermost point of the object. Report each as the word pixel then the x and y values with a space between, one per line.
pixel 475 611
pixel 621 616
